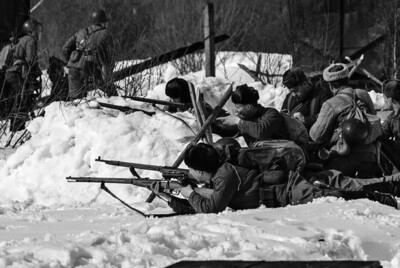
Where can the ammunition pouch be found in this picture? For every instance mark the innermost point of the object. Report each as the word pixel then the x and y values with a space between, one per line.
pixel 75 56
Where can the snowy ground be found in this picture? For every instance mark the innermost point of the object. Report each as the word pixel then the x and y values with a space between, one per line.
pixel 47 222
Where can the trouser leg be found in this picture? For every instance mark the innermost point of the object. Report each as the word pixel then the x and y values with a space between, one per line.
pixel 19 110
pixel 385 199
pixel 76 84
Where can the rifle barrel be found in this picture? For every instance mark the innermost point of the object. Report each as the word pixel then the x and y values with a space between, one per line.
pixel 102 179
pixel 162 102
pixel 141 166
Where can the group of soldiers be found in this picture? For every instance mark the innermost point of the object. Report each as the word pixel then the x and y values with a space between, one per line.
pixel 90 56
pixel 343 155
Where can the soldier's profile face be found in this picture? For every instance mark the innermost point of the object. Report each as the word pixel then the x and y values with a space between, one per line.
pixel 200 176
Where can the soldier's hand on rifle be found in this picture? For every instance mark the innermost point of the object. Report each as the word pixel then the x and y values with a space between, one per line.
pixel 155 187
pixel 186 191
pixel 299 116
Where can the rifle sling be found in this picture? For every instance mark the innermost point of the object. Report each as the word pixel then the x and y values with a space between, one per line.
pixel 104 187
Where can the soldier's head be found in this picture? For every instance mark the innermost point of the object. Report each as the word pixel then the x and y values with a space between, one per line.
pixel 391 90
pixel 31 27
pixel 337 74
pixel 203 161
pixel 297 83
pixel 245 100
pixel 228 149
pixel 99 17
pixel 354 131
pixel 178 90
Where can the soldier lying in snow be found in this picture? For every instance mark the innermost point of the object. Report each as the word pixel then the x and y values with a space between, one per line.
pixel 238 187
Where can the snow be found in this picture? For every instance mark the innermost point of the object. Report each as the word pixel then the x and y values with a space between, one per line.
pixel 46 221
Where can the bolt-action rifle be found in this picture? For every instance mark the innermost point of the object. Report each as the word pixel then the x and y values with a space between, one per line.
pixel 170 186
pixel 167 172
pixel 183 106
pixel 124 109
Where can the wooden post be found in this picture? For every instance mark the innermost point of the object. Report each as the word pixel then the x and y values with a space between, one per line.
pixel 208 15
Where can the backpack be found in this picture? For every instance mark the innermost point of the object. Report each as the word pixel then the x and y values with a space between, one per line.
pixel 6 56
pixel 373 122
pixel 297 131
pixel 84 50
pixel 265 154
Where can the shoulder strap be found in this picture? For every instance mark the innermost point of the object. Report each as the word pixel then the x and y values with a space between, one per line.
pixel 312 106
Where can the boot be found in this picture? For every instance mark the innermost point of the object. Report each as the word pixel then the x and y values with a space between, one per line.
pixel 385 199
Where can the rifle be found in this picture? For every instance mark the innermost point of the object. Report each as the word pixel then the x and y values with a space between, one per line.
pixel 124 109
pixel 166 185
pixel 167 172
pixel 161 102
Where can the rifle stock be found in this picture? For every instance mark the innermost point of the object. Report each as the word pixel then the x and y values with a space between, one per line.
pixel 166 186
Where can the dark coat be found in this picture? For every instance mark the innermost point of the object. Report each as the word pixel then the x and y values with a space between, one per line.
pixel 25 56
pixel 98 41
pixel 311 107
pixel 266 124
pixel 235 187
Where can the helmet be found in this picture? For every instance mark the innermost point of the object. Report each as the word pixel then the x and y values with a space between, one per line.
pixel 99 16
pixel 391 89
pixel 354 131
pixel 335 71
pixel 29 26
pixel 293 77
pixel 227 148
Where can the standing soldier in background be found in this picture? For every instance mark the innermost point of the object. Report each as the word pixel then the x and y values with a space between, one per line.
pixel 91 59
pixel 22 75
pixel 305 98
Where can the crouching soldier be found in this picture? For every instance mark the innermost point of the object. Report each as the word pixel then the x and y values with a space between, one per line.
pixel 255 122
pixel 90 55
pixel 362 159
pixel 241 188
pixel 305 98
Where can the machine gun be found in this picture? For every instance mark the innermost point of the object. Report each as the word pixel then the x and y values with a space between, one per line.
pixel 167 172
pixel 170 186
pixel 182 106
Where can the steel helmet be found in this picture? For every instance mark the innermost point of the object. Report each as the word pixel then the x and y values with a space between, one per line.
pixel 29 26
pixel 354 131
pixel 99 16
pixel 227 148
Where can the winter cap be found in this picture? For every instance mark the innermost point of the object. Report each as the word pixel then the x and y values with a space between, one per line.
pixel 178 88
pixel 244 94
pixel 293 77
pixel 336 71
pixel 391 89
pixel 202 157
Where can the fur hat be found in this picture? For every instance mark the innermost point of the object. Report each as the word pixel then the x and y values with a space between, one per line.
pixel 244 94
pixel 391 89
pixel 335 71
pixel 202 157
pixel 293 77
pixel 178 88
